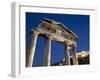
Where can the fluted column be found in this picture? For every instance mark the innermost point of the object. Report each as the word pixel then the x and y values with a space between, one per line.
pixel 47 52
pixel 31 52
pixel 74 55
pixel 66 55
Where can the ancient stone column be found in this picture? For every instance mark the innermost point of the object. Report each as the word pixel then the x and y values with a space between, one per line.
pixel 31 51
pixel 66 55
pixel 74 55
pixel 47 52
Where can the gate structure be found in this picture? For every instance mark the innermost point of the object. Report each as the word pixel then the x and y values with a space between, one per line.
pixel 52 30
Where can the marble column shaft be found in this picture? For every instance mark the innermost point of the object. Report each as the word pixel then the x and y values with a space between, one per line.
pixel 74 56
pixel 32 47
pixel 47 52
pixel 66 55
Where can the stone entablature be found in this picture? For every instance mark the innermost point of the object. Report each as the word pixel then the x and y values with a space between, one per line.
pixel 57 30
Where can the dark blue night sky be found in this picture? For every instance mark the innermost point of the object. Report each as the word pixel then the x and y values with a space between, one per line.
pixel 79 24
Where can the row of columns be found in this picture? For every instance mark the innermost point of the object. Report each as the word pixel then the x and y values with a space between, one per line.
pixel 47 51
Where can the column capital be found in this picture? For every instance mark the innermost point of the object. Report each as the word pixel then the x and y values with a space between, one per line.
pixel 34 31
pixel 65 42
pixel 73 45
pixel 49 36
